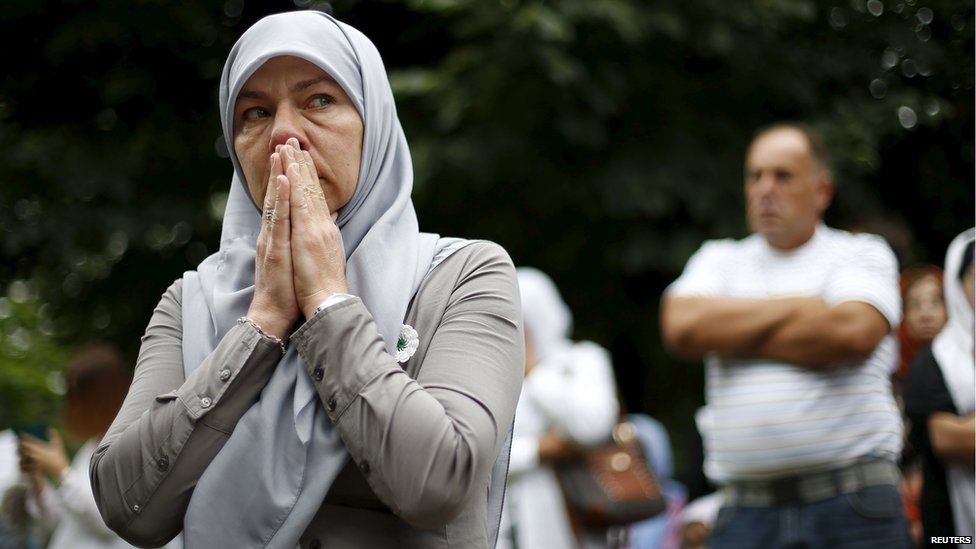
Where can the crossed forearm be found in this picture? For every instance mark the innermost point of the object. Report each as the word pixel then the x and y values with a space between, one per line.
pixel 802 330
pixel 953 438
pixel 695 326
pixel 820 336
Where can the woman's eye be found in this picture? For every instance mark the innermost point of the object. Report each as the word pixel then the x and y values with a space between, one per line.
pixel 254 113
pixel 320 101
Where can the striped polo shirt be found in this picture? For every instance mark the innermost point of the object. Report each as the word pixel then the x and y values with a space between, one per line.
pixel 764 419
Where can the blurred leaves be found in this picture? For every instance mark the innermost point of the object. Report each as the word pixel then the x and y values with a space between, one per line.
pixel 30 358
pixel 600 141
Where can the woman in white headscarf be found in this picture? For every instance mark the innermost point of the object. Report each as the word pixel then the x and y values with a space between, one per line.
pixel 940 400
pixel 569 399
pixel 331 376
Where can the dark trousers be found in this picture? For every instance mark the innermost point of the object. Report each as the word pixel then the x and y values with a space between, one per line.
pixel 868 518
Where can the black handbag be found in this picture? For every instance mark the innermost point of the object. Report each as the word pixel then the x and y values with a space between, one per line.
pixel 612 484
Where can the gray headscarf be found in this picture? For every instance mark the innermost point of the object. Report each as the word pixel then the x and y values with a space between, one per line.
pixel 256 492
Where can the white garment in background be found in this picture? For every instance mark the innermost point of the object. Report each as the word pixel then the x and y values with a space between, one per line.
pixel 70 512
pixel 571 391
pixel 9 467
pixel 703 510
pixel 953 351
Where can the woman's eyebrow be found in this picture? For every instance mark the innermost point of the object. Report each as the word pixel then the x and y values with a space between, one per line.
pixel 249 94
pixel 301 86
pixel 305 84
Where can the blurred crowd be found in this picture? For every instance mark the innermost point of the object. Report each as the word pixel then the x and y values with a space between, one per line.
pixel 839 399
pixel 47 496
pixel 839 396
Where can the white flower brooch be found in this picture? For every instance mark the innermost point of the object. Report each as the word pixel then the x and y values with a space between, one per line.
pixel 407 343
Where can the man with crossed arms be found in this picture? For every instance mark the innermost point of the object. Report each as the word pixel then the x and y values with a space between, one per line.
pixel 795 325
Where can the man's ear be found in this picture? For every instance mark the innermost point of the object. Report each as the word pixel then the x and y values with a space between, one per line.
pixel 825 190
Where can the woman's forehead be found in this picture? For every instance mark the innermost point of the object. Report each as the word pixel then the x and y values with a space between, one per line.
pixel 291 70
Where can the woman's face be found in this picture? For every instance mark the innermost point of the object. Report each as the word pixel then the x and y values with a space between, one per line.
pixel 291 97
pixel 925 312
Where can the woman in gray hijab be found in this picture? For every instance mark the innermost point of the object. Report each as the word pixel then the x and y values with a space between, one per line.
pixel 331 376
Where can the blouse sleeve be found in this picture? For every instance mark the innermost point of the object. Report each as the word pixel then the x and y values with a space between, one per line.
pixel 170 427
pixel 425 445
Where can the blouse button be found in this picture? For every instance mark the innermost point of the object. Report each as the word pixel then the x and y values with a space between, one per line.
pixel 315 544
pixel 331 404
pixel 364 467
pixel 225 374
pixel 318 373
pixel 162 464
pixel 136 508
pixel 205 402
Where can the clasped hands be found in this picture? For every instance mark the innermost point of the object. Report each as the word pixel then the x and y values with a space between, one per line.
pixel 300 261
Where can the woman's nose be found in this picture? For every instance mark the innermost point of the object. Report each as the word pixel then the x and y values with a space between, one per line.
pixel 287 124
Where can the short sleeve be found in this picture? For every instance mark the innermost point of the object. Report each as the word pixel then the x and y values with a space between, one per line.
pixel 925 389
pixel 703 275
pixel 869 274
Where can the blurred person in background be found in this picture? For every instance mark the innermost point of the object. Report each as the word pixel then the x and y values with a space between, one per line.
pixel 698 519
pixel 923 316
pixel 15 522
pixel 795 325
pixel 568 400
pixel 924 312
pixel 940 398
pixel 664 530
pixel 96 380
pixel 332 376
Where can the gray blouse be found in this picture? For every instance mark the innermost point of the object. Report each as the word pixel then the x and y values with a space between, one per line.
pixel 422 437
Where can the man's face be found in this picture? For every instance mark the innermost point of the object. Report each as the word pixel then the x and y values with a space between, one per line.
pixel 290 97
pixel 787 191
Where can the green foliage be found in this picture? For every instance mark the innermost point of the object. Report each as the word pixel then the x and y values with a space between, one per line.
pixel 600 141
pixel 30 359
